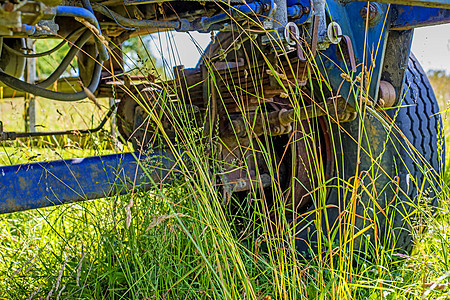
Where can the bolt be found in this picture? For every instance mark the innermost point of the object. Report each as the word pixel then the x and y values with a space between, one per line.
pixel 8 6
pixel 306 9
pixel 276 130
pixel 387 94
pixel 373 12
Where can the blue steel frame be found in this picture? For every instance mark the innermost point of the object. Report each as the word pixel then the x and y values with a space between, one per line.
pixel 43 184
pixel 372 52
pixel 36 185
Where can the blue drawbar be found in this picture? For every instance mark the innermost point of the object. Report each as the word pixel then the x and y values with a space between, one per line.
pixel 37 185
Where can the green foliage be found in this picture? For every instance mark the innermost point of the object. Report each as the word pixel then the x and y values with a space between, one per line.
pixel 47 64
pixel 139 60
pixel 441 86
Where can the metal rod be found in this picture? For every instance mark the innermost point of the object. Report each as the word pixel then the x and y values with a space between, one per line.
pixel 235 12
pixel 44 184
pixel 8 136
pixel 259 124
pixel 123 21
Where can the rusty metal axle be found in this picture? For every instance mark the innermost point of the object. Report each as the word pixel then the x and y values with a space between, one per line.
pixel 279 122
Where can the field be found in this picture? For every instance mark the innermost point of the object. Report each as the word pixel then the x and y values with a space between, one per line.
pixel 178 242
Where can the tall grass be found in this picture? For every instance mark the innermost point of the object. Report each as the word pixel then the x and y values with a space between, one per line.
pixel 179 240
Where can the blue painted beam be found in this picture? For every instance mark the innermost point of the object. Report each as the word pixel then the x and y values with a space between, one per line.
pixel 368 47
pixel 421 3
pixel 369 43
pixel 43 184
pixel 408 17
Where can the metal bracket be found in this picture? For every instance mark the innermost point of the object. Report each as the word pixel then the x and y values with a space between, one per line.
pixel 292 37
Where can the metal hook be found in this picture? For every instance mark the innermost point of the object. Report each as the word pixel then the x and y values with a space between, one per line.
pixel 351 54
pixel 315 35
pixel 335 36
pixel 292 36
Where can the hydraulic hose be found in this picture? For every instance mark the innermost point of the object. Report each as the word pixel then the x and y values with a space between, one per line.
pixel 134 22
pixel 87 5
pixel 66 61
pixel 83 13
pixel 18 84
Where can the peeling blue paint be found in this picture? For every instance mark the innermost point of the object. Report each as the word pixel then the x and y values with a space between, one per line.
pixel 37 185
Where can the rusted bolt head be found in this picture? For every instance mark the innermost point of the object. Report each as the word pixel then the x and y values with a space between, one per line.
pixel 373 12
pixel 387 94
pixel 306 9
pixel 8 6
pixel 347 117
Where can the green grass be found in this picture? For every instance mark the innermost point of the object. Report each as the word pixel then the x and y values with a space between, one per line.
pixel 183 244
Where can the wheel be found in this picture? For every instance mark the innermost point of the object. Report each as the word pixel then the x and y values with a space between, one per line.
pixel 363 194
pixel 376 203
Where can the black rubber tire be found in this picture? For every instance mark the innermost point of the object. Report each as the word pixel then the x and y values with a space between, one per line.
pixel 403 156
pixel 397 198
